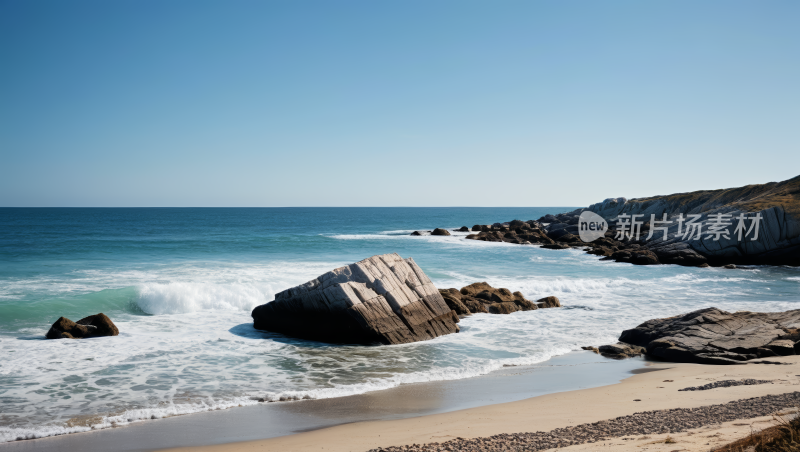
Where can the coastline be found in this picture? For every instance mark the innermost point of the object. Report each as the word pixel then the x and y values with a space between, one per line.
pixel 573 371
pixel 552 411
pixel 504 401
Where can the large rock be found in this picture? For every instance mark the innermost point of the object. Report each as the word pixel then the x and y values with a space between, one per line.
pixel 384 299
pixel 713 336
pixel 92 326
pixel 440 231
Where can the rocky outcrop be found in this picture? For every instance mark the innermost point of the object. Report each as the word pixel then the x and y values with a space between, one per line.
pixel 384 299
pixel 519 232
pixel 440 231
pixel 777 242
pixel 92 326
pixel 713 336
pixel 777 204
pixel 483 298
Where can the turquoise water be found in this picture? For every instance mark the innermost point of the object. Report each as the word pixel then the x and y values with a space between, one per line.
pixel 180 285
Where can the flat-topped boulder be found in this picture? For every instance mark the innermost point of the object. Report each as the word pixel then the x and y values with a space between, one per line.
pixel 714 336
pixel 383 299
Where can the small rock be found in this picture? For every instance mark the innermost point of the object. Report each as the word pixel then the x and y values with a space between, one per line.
pixel 621 350
pixel 92 326
pixel 548 302
pixel 439 231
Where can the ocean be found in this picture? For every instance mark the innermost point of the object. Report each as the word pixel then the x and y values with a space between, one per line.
pixel 180 284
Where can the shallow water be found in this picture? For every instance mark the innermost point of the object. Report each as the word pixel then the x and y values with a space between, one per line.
pixel 180 284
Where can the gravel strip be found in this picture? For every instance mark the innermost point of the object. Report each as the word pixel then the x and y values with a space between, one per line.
pixel 726 384
pixel 644 423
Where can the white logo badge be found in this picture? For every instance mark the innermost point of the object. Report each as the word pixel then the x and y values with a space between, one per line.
pixel 591 226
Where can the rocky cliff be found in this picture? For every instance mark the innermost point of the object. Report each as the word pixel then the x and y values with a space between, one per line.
pixel 755 224
pixel 778 232
pixel 383 299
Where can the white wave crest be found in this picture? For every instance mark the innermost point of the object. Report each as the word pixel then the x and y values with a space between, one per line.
pixel 184 297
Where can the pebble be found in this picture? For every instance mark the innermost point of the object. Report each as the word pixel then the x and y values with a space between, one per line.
pixel 726 384
pixel 643 423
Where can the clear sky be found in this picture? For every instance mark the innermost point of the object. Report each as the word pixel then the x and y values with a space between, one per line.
pixel 392 103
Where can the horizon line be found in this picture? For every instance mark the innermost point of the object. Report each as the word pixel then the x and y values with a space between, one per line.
pixel 278 207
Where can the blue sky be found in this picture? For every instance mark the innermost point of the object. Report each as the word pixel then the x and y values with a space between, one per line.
pixel 392 103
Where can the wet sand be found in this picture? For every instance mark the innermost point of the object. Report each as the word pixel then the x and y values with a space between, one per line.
pixel 574 371
pixel 644 391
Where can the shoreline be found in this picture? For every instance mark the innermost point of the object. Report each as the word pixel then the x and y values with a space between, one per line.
pixel 572 371
pixel 643 391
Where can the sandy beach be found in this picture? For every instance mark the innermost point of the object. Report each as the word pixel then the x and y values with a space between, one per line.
pixel 656 388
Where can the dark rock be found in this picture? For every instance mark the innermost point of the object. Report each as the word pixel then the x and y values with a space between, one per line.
pixel 475 288
pixel 481 297
pixel 474 305
pixel 621 256
pixel 601 251
pixel 102 324
pixel 418 233
pixel 727 384
pixel 548 302
pixel 713 336
pixel 384 299
pixel 93 326
pixel 477 228
pixel 556 246
pixel 503 308
pixel 557 233
pixel 453 299
pixel 550 219
pixel 439 231
pixel 644 257
pixel 523 303
pixel 591 349
pixel 495 295
pixel 556 226
pixel 620 350
pixel 729 266
pixel 463 229
pixel 570 238
pixel 67 327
